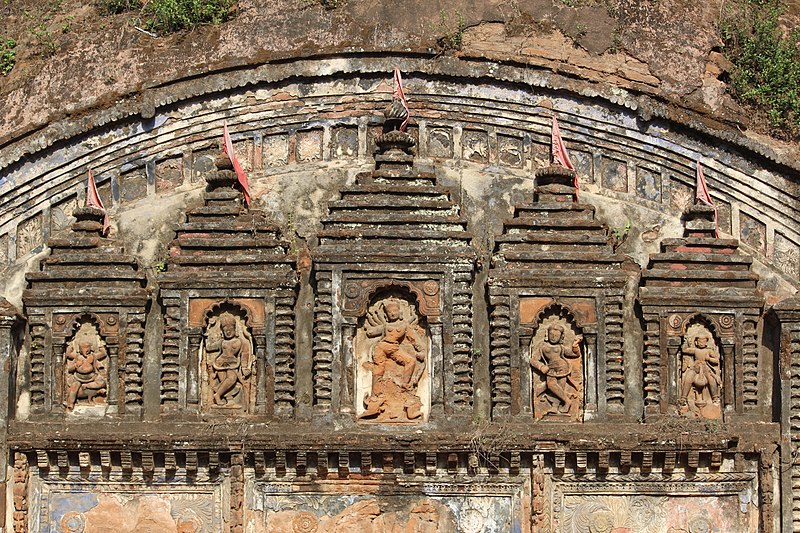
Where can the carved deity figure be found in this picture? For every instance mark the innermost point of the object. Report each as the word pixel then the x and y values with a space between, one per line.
pixel 701 375
pixel 557 382
pixel 229 360
pixel 397 362
pixel 86 377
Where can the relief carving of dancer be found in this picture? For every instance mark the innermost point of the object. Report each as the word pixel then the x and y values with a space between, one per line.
pixel 229 359
pixel 701 379
pixel 86 374
pixel 557 385
pixel 397 363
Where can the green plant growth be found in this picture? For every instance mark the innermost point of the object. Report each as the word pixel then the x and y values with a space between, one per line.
pixel 620 234
pixel 120 6
pixel 766 62
pixel 167 16
pixel 453 34
pixel 45 38
pixel 8 56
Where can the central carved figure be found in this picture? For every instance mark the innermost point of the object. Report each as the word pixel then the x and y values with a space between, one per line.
pixel 701 380
pixel 86 374
pixel 397 363
pixel 558 387
pixel 229 358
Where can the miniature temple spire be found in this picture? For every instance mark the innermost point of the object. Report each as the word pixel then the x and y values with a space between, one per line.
pixel 559 181
pixel 395 145
pixel 227 148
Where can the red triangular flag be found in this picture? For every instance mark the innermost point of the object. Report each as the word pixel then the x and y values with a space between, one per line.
pixel 227 147
pixel 701 194
pixel 558 152
pixel 93 200
pixel 400 95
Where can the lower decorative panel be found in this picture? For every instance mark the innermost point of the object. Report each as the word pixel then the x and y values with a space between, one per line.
pixel 403 506
pixel 622 504
pixel 71 507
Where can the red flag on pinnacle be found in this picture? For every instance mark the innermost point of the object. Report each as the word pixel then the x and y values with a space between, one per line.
pixel 400 95
pixel 701 194
pixel 93 200
pixel 227 147
pixel 558 152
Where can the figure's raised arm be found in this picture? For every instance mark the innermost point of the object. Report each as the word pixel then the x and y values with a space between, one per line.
pixel 687 348
pixel 713 355
pixel 101 353
pixel 374 322
pixel 576 346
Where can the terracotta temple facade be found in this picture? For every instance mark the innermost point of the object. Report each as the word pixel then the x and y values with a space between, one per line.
pixel 422 329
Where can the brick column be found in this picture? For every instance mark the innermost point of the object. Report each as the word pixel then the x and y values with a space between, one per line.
pixel 788 314
pixel 9 317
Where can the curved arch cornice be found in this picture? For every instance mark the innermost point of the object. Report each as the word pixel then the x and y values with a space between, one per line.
pixel 639 98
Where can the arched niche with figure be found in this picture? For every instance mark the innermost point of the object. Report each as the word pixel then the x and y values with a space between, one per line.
pixel 227 355
pixel 700 378
pixel 85 367
pixel 557 367
pixel 392 361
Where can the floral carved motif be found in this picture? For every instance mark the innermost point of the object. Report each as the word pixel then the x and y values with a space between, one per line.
pixel 358 292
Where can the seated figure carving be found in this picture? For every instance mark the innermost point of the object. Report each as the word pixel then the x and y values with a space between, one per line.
pixel 701 377
pixel 557 384
pixel 229 359
pixel 397 362
pixel 86 374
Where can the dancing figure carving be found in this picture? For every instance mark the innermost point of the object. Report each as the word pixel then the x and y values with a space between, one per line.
pixel 397 362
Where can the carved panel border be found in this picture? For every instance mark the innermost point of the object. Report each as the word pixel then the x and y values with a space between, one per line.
pixel 199 504
pixel 358 292
pixel 476 506
pixel 648 503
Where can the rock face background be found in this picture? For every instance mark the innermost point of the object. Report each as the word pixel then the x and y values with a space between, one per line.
pixel 72 56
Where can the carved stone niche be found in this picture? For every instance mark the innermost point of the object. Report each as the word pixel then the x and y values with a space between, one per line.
pixel 228 359
pixel 85 349
pixel 85 368
pixel 226 353
pixel 700 380
pixel 557 366
pixel 86 321
pixel 392 362
pixel 701 286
